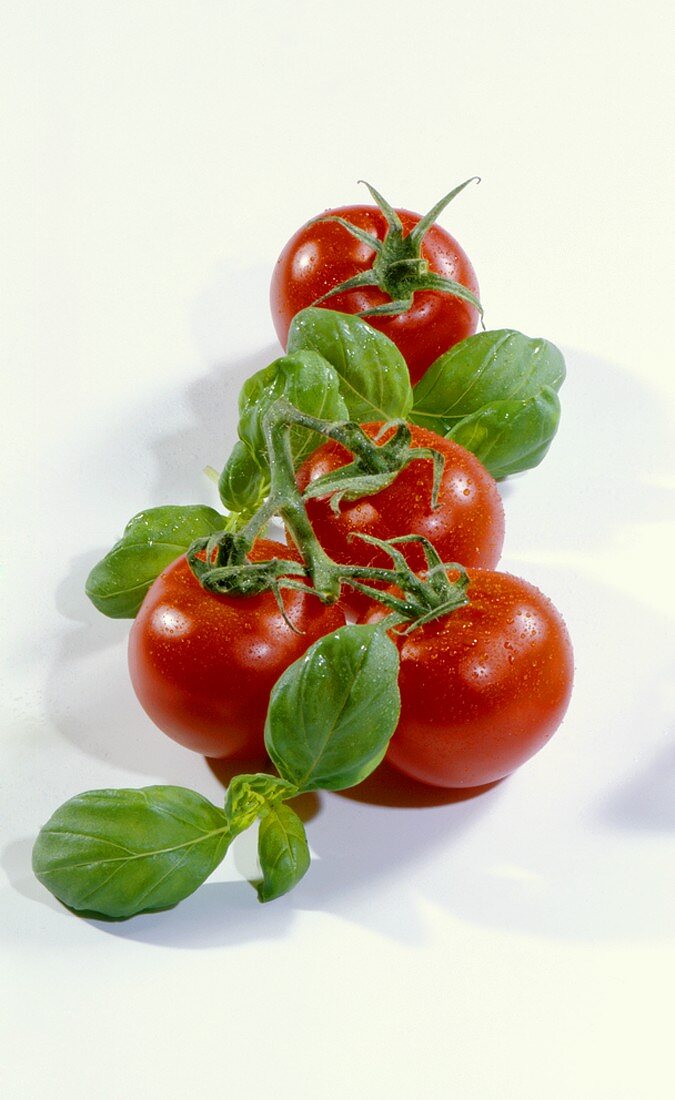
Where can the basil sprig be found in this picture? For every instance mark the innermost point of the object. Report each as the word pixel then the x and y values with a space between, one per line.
pixel 116 853
pixel 374 378
pixel 311 384
pixel 151 541
pixel 496 394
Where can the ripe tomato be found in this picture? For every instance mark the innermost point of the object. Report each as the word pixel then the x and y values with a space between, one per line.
pixel 323 254
pixel 466 527
pixel 203 664
pixel 484 688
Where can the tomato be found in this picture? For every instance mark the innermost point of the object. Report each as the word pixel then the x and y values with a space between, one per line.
pixel 323 254
pixel 466 527
pixel 203 664
pixel 483 688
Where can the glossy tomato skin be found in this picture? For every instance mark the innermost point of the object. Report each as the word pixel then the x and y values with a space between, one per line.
pixel 203 665
pixel 467 527
pixel 321 255
pixel 484 688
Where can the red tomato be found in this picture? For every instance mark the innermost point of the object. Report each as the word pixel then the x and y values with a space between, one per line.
pixel 203 665
pixel 484 688
pixel 321 255
pixel 467 527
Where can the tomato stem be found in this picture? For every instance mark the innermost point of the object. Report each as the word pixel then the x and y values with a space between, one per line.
pixel 220 562
pixel 399 269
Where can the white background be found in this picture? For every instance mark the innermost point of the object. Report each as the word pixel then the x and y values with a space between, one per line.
pixel 158 155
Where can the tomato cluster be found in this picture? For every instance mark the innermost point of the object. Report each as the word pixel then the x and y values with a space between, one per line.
pixel 241 646
pixel 482 687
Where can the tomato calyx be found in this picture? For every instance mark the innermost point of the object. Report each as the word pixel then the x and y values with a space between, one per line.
pixel 221 566
pixel 399 269
pixel 220 562
pixel 374 467
pixel 433 595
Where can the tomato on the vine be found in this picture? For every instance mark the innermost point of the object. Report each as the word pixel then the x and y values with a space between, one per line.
pixel 404 273
pixel 466 527
pixel 483 688
pixel 203 665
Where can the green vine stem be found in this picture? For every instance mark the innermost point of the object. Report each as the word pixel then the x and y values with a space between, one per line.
pixel 220 562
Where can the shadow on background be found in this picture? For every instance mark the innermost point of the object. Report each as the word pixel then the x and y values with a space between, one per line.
pixel 389 787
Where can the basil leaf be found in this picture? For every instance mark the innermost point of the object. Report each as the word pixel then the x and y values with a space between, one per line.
pixel 249 795
pixel 490 366
pixel 308 382
pixel 332 712
pixel 242 484
pixel 121 852
pixel 374 378
pixel 511 436
pixel 151 541
pixel 282 850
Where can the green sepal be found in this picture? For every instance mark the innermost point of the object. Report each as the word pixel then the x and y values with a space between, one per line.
pixel 342 485
pixel 399 268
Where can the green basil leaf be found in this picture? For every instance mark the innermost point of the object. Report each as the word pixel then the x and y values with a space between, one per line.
pixel 249 795
pixel 151 541
pixel 243 485
pixel 511 436
pixel 121 852
pixel 282 850
pixel 374 378
pixel 308 382
pixel 490 366
pixel 332 713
